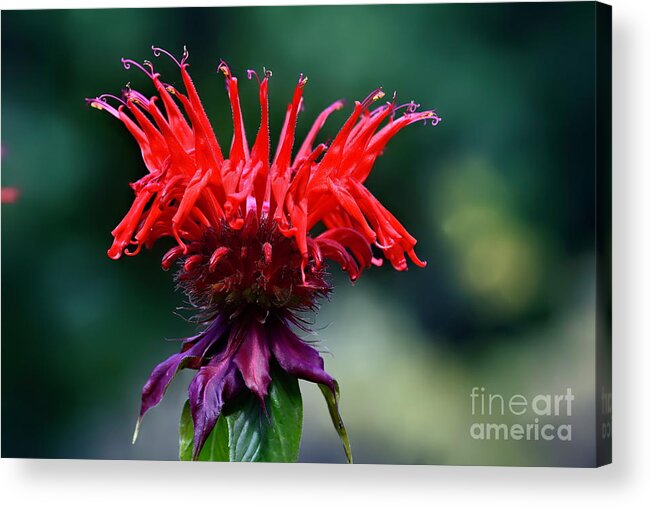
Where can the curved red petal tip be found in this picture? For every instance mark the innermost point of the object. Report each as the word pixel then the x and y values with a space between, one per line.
pixel 377 262
pixel 415 259
pixel 115 252
pixel 216 257
pixel 171 256
pixel 192 261
pixel 400 265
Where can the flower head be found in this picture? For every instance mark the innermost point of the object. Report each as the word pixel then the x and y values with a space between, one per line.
pixel 242 223
pixel 9 195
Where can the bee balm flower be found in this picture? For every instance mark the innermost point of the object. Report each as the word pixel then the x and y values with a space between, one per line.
pixel 9 195
pixel 241 225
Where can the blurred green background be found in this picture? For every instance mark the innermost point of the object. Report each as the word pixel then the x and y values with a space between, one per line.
pixel 500 196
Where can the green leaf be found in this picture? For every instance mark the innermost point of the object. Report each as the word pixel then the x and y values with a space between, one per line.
pixel 332 399
pixel 216 446
pixel 274 436
pixel 248 432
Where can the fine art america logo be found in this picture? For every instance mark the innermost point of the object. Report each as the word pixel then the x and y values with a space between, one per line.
pixel 536 413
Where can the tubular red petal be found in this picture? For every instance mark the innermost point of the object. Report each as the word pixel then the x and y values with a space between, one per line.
pixel 352 239
pixel 380 140
pixel 338 253
pixel 193 96
pixel 284 153
pixel 306 147
pixel 179 156
pixel 190 196
pixel 124 231
pixel 175 118
pixel 261 148
pixel 356 149
pixel 205 155
pixel 349 204
pixel 239 148
pixel 332 158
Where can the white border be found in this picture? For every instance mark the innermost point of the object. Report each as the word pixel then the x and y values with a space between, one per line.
pixel 105 483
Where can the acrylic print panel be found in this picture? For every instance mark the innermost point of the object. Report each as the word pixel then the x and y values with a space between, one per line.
pixel 403 259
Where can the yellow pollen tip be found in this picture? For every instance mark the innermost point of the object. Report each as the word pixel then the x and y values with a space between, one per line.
pixel 96 106
pixel 378 95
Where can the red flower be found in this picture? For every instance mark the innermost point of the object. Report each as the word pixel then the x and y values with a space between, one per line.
pixel 247 258
pixel 191 186
pixel 9 195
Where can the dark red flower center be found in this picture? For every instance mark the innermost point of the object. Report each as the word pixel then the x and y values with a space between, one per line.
pixel 255 267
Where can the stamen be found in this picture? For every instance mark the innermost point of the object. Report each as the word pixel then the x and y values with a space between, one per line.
pixel 384 247
pixel 127 63
pixel 376 94
pixel 134 252
pixel 157 52
pixel 250 73
pixel 102 105
pixel 223 67
pixel 411 106
pixel 135 96
pixel 267 72
pixel 147 63
pixel 435 119
pixel 106 96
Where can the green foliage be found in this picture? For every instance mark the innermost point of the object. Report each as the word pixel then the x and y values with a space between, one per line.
pixel 251 432
pixel 216 446
pixel 333 407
